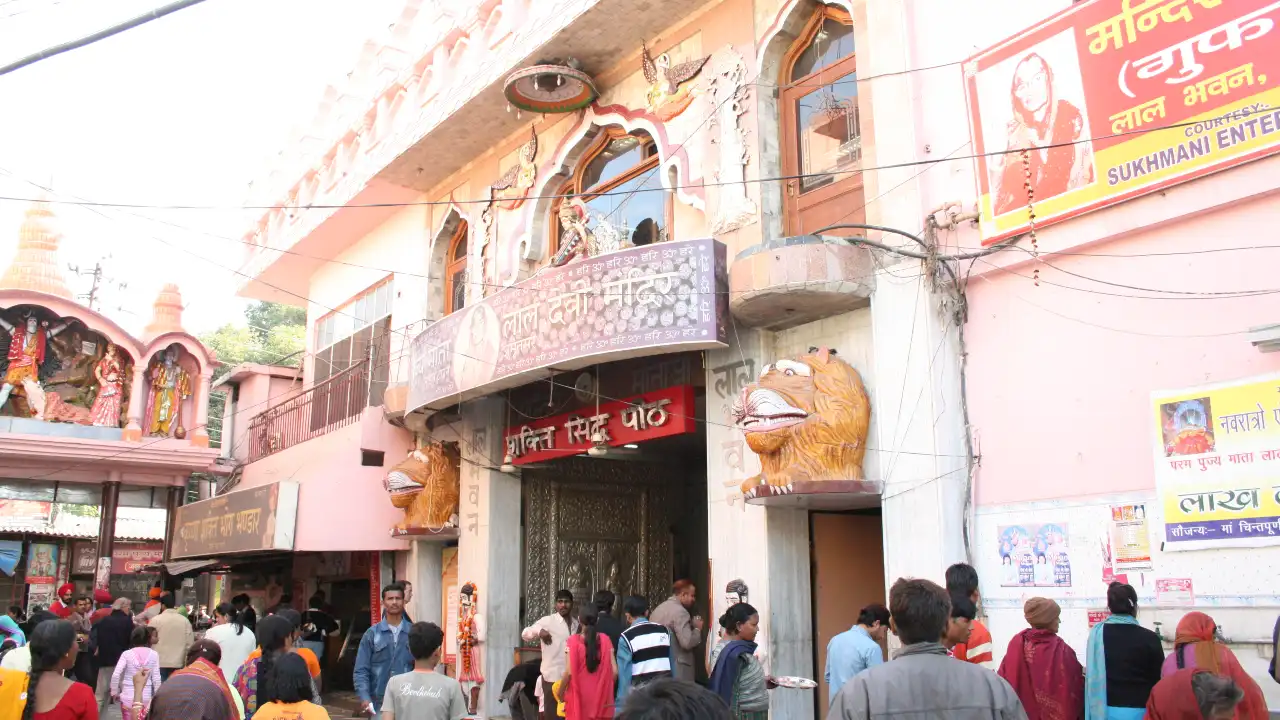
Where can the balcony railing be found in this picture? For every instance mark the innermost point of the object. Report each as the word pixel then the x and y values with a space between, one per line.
pixel 332 404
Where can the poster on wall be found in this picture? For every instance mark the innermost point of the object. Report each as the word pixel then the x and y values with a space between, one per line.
pixel 42 563
pixel 449 583
pixel 40 594
pixel 1130 538
pixel 1034 555
pixel 1175 591
pixel 1112 99
pixel 1216 450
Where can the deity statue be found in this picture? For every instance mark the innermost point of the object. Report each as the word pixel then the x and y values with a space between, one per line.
pixel 170 385
pixel 575 237
pixel 109 372
pixel 470 637
pixel 28 345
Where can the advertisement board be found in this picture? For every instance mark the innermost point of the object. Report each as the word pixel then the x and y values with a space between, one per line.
pixel 1112 99
pixel 253 520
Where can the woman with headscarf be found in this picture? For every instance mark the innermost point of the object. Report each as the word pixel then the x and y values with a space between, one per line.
pixel 1042 139
pixel 1042 667
pixel 197 691
pixel 1195 647
pixel 1122 662
pixel 1194 695
pixel 9 630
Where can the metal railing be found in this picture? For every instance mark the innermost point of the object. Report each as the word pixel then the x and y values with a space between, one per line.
pixel 323 408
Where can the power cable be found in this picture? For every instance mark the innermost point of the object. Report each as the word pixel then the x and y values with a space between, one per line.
pixel 116 29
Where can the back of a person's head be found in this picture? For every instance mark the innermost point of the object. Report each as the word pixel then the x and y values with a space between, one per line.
pixel 1122 599
pixel 673 700
pixel 204 649
pixel 290 680
pixel 293 616
pixel 315 602
pixel 635 606
pixel 167 600
pixel 140 637
pixel 271 633
pixel 920 610
pixel 963 608
pixel 1217 695
pixel 872 614
pixel 425 639
pixel 603 601
pixel 962 579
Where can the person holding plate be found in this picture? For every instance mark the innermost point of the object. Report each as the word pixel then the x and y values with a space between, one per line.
pixel 738 677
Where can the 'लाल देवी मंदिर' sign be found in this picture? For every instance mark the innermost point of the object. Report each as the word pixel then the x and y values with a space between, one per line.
pixel 1111 99
pixel 661 413
pixel 1216 451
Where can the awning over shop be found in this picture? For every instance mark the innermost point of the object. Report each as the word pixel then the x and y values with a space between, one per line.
pixel 181 567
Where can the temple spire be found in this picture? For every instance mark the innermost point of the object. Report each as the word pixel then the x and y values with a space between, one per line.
pixel 35 264
pixel 166 313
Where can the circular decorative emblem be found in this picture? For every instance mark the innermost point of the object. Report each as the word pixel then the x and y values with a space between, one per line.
pixel 550 88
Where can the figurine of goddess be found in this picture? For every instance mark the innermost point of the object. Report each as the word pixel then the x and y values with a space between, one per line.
pixel 470 637
pixel 105 411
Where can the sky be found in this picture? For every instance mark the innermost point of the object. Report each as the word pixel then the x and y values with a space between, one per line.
pixel 187 109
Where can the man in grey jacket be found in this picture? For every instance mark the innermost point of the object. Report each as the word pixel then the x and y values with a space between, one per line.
pixel 686 630
pixel 921 681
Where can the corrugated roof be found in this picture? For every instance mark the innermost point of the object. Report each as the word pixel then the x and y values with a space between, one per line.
pixel 131 524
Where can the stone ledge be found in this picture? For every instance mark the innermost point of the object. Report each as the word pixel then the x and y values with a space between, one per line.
pixel 795 280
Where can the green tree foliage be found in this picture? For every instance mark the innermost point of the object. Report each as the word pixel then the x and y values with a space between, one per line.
pixel 273 334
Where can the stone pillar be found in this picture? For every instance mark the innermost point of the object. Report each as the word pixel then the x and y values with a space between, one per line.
pixel 200 400
pixel 424 570
pixel 766 548
pixel 174 501
pixel 137 402
pixel 489 548
pixel 107 530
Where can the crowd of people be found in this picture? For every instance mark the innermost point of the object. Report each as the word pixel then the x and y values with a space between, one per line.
pixel 69 662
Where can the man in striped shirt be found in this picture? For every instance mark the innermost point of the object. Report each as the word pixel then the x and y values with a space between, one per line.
pixel 645 650
pixel 962 581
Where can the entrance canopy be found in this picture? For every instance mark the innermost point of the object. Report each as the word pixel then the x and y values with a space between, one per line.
pixel 648 300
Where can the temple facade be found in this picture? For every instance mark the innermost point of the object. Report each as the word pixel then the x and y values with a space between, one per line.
pixel 598 310
pixel 100 431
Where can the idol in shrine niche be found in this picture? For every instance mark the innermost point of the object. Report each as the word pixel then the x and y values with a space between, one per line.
pixel 107 404
pixel 27 357
pixel 470 637
pixel 170 386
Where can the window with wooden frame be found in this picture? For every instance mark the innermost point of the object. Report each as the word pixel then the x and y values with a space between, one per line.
pixel 455 272
pixel 618 180
pixel 358 331
pixel 821 138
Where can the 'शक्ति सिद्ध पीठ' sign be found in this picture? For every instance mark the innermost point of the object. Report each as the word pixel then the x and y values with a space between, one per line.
pixel 665 297
pixel 1217 464
pixel 1116 98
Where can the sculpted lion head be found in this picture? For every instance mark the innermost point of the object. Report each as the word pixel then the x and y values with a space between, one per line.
pixel 425 486
pixel 806 418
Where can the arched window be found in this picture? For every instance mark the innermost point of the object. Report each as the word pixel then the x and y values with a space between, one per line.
pixel 625 166
pixel 455 273
pixel 821 139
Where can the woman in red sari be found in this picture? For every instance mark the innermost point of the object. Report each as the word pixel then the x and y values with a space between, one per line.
pixel 589 672
pixel 198 691
pixel 1042 667
pixel 1194 695
pixel 1195 647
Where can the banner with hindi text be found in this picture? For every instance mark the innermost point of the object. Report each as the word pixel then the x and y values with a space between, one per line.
pixel 1217 464
pixel 1112 99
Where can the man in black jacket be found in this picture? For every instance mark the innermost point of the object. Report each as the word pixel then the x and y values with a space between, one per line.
pixel 606 622
pixel 110 638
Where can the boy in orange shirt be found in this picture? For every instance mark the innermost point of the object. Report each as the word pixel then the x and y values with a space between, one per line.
pixel 962 581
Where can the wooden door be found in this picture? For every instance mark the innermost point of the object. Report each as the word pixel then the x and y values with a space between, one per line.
pixel 848 574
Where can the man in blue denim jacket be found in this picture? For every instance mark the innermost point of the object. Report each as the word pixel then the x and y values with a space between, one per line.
pixel 384 651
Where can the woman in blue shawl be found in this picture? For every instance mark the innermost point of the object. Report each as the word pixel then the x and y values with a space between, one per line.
pixel 1122 662
pixel 9 630
pixel 737 676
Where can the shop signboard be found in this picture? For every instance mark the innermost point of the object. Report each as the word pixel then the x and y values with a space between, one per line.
pixel 635 419
pixel 254 520
pixel 1216 450
pixel 85 558
pixel 1112 99
pixel 20 515
pixel 660 298
pixel 128 559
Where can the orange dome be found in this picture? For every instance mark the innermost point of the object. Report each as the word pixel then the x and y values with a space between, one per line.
pixel 35 264
pixel 166 313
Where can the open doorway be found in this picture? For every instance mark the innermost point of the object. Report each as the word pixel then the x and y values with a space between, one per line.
pixel 847 565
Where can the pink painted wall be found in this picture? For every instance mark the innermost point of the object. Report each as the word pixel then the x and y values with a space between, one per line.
pixel 1061 407
pixel 341 504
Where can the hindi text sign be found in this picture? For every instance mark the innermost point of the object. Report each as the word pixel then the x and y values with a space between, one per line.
pixel 653 299
pixel 260 518
pixel 1112 99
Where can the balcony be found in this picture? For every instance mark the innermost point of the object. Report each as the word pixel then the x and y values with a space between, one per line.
pixel 328 406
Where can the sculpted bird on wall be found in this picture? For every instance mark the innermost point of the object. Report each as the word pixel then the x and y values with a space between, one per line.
pixel 521 176
pixel 666 98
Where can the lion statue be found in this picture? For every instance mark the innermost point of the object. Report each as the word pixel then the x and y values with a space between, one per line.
pixel 425 486
pixel 807 419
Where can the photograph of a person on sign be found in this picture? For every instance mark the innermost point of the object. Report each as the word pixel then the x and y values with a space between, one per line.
pixel 475 351
pixel 1044 114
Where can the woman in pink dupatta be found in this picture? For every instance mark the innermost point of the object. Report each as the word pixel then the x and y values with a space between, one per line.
pixel 1042 667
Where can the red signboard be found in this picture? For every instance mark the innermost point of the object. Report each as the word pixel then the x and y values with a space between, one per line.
pixel 635 419
pixel 17 515
pixel 126 559
pixel 1112 99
